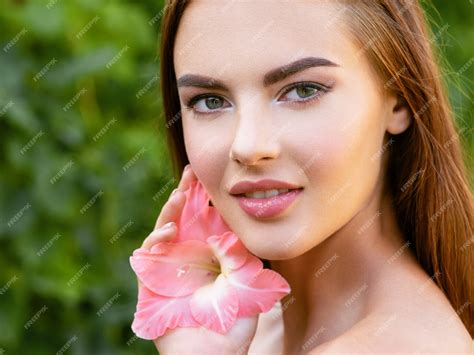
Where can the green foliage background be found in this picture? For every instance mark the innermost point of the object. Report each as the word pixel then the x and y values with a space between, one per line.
pixel 65 278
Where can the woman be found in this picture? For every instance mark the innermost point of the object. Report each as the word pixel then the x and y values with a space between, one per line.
pixel 341 103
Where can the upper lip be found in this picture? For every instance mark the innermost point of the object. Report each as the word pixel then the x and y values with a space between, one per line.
pixel 267 184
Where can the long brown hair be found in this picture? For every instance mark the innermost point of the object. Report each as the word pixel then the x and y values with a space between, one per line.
pixel 426 170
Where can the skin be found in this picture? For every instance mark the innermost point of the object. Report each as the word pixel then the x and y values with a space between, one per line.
pixel 356 285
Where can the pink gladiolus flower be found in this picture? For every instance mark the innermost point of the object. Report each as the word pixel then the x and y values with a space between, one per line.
pixel 204 277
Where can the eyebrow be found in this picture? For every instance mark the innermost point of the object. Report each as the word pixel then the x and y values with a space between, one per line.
pixel 273 76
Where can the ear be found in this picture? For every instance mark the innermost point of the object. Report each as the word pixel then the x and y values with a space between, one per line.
pixel 399 115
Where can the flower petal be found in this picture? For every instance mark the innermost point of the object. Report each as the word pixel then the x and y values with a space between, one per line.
pixel 230 251
pixel 258 289
pixel 175 269
pixel 199 220
pixel 215 306
pixel 155 314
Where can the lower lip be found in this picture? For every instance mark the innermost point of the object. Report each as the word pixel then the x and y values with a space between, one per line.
pixel 268 207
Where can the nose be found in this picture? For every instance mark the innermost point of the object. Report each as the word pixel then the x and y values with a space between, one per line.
pixel 255 137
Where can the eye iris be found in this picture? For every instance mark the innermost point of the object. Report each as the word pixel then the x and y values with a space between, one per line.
pixel 305 91
pixel 213 102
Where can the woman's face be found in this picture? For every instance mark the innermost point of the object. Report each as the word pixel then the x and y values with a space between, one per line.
pixel 257 127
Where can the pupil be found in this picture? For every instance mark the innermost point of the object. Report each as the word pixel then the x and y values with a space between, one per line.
pixel 303 90
pixel 212 102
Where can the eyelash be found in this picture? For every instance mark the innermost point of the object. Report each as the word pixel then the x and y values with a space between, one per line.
pixel 321 89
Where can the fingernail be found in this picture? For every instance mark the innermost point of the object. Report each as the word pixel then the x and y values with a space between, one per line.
pixel 174 192
pixel 168 225
pixel 187 167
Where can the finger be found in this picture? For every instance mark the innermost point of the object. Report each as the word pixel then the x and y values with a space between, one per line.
pixel 171 211
pixel 164 234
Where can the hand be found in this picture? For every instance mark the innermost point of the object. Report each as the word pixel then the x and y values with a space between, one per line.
pixel 195 340
pixel 170 212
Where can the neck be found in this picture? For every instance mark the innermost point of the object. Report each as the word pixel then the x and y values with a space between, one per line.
pixel 332 282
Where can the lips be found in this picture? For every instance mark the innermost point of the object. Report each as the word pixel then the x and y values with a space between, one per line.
pixel 265 207
pixel 243 187
pixel 270 206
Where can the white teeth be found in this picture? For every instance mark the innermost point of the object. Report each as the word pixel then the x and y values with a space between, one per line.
pixel 271 193
pixel 266 193
pixel 255 194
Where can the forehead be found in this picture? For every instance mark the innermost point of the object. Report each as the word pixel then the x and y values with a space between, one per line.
pixel 251 36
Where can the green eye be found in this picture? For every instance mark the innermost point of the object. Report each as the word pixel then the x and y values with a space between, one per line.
pixel 206 103
pixel 305 91
pixel 213 102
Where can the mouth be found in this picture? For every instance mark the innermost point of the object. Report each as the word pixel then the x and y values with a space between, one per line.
pixel 267 203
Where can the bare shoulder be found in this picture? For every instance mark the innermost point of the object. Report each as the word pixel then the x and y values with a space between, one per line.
pixel 413 316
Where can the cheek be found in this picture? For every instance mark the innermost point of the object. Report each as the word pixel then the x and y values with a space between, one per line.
pixel 207 154
pixel 341 162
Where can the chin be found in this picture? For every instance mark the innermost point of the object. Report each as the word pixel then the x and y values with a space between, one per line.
pixel 282 253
